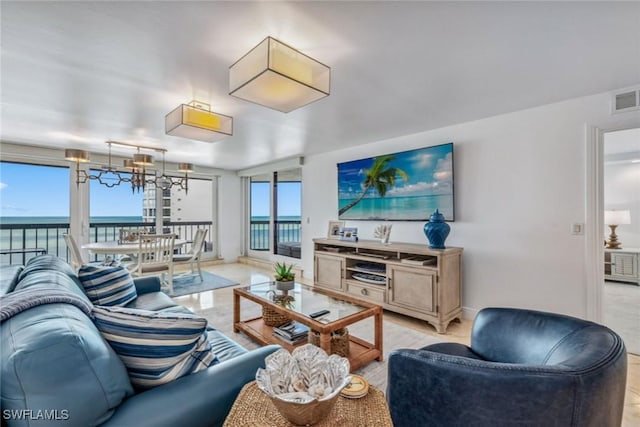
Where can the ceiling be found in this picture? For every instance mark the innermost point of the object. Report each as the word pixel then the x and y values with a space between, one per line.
pixel 75 74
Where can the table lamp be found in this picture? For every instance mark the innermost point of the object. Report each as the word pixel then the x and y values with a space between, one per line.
pixel 613 219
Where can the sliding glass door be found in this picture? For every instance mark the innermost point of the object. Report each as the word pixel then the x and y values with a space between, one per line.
pixel 287 193
pixel 275 209
pixel 260 207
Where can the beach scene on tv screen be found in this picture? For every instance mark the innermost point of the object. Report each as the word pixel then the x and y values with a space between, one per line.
pixel 408 185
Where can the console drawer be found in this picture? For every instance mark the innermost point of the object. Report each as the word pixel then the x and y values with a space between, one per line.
pixel 370 293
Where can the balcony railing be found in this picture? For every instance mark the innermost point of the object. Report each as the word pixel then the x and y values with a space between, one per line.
pixel 20 242
pixel 288 231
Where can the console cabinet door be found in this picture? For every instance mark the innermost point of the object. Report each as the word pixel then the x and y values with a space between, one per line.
pixel 328 271
pixel 413 288
pixel 624 265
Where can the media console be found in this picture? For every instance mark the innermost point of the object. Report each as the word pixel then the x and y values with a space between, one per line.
pixel 402 277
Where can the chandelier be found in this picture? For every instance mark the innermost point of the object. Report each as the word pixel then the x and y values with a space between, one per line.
pixel 137 176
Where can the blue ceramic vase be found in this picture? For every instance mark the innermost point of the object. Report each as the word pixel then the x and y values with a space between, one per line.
pixel 436 230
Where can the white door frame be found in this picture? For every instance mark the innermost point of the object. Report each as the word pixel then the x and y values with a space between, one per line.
pixel 594 222
pixel 594 214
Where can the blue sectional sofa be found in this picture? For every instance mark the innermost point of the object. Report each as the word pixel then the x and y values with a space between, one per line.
pixel 58 370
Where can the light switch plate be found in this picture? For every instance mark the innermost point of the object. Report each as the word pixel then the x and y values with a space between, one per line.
pixel 577 228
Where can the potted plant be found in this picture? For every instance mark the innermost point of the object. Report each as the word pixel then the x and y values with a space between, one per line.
pixel 284 276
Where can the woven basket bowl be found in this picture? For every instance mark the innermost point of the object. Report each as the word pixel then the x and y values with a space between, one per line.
pixel 273 318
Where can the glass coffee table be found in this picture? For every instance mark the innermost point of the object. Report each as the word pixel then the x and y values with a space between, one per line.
pixel 343 311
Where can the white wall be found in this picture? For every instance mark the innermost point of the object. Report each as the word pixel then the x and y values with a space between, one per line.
pixel 622 192
pixel 230 215
pixel 519 185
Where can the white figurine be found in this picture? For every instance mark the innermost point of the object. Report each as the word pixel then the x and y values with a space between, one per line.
pixel 382 232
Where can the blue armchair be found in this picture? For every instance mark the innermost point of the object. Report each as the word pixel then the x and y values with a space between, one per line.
pixel 524 368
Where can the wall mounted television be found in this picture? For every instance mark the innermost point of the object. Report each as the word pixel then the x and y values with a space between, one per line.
pixel 404 186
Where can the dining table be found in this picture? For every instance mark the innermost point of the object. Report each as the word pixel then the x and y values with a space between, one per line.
pixel 114 247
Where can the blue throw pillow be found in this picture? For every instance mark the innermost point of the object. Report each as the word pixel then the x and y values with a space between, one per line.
pixel 156 347
pixel 106 285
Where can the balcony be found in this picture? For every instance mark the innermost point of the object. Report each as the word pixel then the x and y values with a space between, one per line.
pixel 287 236
pixel 20 242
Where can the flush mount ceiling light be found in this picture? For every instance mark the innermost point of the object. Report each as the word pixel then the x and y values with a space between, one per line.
pixel 195 120
pixel 277 76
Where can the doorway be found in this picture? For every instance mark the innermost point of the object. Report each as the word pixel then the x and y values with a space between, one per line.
pixel 621 200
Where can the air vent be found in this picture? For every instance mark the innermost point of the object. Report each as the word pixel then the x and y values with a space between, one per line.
pixel 625 100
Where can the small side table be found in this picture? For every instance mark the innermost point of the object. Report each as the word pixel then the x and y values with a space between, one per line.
pixel 254 408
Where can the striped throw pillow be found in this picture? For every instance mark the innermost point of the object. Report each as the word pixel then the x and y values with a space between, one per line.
pixel 156 347
pixel 106 285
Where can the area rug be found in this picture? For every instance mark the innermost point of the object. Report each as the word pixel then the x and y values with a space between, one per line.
pixel 191 284
pixel 394 336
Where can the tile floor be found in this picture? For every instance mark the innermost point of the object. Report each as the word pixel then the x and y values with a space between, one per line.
pixel 457 332
pixel 621 312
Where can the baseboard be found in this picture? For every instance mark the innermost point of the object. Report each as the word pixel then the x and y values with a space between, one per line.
pixel 469 313
pixel 212 261
pixel 256 262
pixel 266 264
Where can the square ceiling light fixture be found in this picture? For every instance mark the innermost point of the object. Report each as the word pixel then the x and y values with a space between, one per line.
pixel 196 121
pixel 277 76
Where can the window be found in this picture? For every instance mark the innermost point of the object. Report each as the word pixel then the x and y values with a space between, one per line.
pixel 113 208
pixel 275 206
pixel 288 192
pixel 37 196
pixel 260 212
pixel 183 213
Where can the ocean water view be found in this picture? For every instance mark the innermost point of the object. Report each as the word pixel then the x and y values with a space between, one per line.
pixel 46 232
pixel 64 219
pixel 259 231
pixel 398 208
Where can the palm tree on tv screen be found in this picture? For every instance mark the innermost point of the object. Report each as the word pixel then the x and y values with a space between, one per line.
pixel 380 176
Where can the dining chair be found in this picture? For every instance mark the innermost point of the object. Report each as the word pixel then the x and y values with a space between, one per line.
pixel 194 254
pixel 74 251
pixel 155 256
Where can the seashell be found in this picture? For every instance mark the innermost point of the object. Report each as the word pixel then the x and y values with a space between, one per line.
pixel 298 385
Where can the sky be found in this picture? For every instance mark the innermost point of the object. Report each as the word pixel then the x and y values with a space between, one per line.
pixel 114 201
pixel 29 190
pixel 32 190
pixel 289 198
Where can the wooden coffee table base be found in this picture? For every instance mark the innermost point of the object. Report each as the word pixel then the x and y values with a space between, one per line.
pixel 361 352
pixel 254 408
